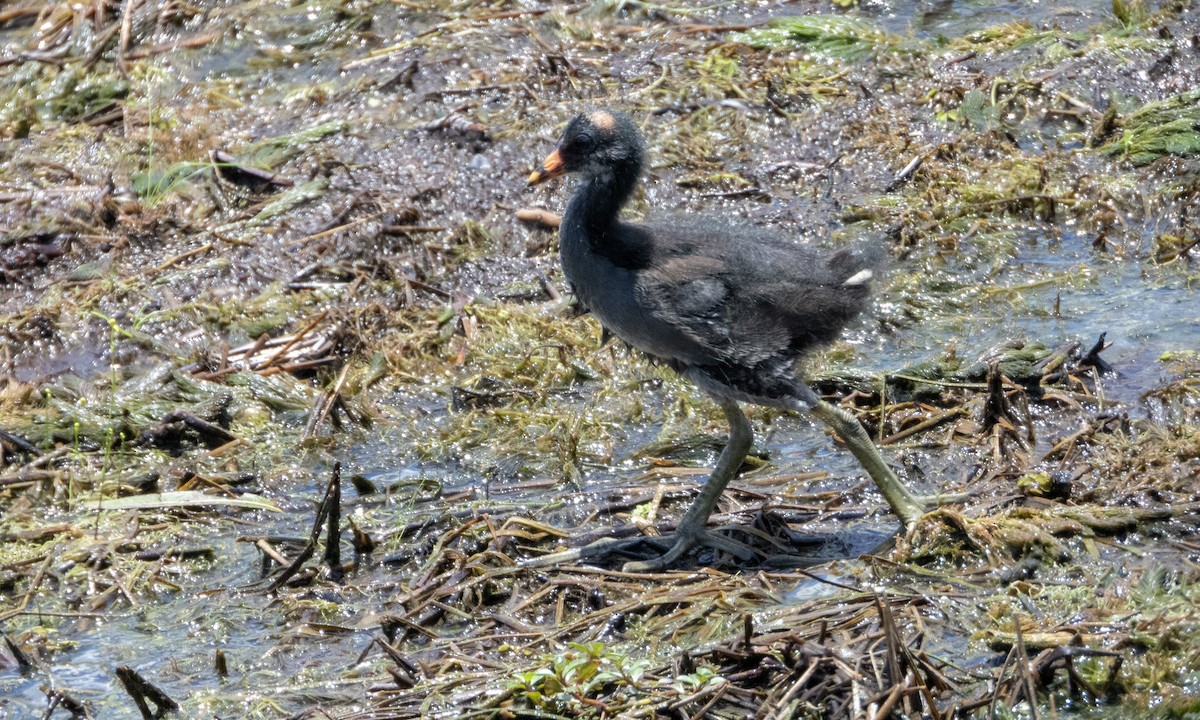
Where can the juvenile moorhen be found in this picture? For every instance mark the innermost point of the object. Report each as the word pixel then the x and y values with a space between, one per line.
pixel 730 308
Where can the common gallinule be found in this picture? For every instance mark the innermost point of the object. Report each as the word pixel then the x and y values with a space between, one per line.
pixel 730 308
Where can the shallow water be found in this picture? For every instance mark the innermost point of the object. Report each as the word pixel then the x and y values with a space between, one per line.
pixel 957 18
pixel 1144 310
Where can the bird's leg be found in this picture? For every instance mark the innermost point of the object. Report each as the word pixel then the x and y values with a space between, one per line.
pixel 690 531
pixel 908 507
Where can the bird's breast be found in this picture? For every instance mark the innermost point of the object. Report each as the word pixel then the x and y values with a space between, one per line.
pixel 610 293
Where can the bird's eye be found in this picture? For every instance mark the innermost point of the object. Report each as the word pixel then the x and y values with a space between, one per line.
pixel 582 141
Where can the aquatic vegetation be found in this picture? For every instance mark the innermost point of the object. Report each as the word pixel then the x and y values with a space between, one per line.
pixel 836 36
pixel 271 153
pixel 1163 127
pixel 153 186
pixel 575 678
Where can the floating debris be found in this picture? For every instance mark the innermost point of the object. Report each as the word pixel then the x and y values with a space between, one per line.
pixel 228 168
pixel 460 125
pixel 304 350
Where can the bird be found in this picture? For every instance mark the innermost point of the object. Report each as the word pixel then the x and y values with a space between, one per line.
pixel 732 308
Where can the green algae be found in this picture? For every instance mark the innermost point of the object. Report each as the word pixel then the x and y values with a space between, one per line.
pixel 1159 128
pixel 835 36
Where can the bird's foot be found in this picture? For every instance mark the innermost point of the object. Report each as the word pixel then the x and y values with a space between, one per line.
pixel 922 504
pixel 684 541
pixel 673 546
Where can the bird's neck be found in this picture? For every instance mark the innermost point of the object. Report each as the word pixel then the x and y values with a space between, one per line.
pixel 596 205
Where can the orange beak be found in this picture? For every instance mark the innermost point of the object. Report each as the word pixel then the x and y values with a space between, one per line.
pixel 552 167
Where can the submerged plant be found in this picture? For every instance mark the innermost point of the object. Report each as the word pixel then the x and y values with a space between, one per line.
pixel 154 185
pixel 1164 127
pixel 837 36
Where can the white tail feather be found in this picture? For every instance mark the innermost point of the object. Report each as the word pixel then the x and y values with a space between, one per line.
pixel 859 278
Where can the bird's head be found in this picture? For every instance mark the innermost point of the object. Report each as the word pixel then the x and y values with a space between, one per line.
pixel 595 143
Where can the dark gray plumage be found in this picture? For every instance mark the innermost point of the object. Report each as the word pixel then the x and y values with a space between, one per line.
pixel 731 308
